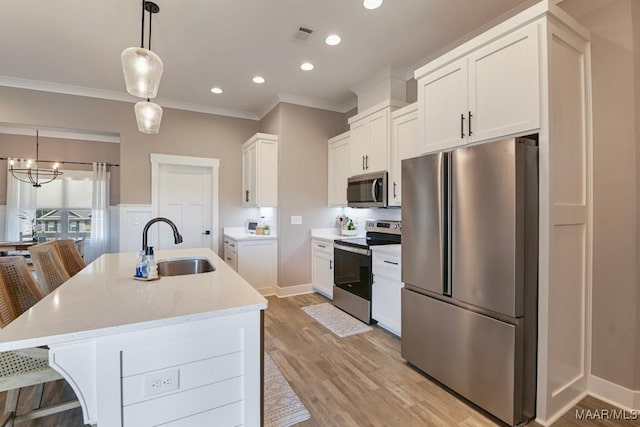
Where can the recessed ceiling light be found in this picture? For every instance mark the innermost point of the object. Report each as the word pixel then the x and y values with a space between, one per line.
pixel 258 79
pixel 372 4
pixel 307 66
pixel 216 90
pixel 332 39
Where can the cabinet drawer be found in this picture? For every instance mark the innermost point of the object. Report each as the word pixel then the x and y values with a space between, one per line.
pixel 386 266
pixel 230 245
pixel 231 258
pixel 322 246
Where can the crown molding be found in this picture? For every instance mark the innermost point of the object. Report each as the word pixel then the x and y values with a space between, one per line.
pixel 51 132
pixel 385 73
pixel 65 89
pixel 308 102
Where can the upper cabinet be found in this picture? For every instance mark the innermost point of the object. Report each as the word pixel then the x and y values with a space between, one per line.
pixel 491 92
pixel 339 169
pixel 260 171
pixel 404 145
pixel 370 138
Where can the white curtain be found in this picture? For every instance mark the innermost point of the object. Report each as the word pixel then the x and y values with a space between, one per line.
pixel 99 241
pixel 21 201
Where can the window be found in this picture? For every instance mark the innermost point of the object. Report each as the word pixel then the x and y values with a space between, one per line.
pixel 64 206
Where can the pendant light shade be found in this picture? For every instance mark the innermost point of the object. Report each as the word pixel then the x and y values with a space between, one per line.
pixel 148 116
pixel 142 72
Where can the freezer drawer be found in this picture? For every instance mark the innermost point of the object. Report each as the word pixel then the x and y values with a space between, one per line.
pixel 476 356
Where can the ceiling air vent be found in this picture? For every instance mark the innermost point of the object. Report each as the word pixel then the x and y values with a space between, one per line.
pixel 303 34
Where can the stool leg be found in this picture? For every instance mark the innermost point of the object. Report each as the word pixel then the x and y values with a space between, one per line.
pixel 37 396
pixel 11 404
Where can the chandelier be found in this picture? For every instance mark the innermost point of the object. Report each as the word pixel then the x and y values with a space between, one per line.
pixel 142 70
pixel 33 174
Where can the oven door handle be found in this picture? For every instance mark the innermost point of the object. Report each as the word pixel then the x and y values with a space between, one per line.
pixel 360 251
pixel 373 190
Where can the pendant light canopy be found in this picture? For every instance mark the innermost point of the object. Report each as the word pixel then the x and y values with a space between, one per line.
pixel 142 70
pixel 148 116
pixel 33 174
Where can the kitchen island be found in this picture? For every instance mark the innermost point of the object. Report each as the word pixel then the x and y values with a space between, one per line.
pixel 182 350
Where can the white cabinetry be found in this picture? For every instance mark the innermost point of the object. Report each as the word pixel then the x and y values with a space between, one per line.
pixel 370 138
pixel 339 168
pixel 322 267
pixel 404 145
pixel 385 294
pixel 492 92
pixel 255 260
pixel 532 74
pixel 260 171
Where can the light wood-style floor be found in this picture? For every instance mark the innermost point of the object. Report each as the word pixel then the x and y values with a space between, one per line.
pixel 355 381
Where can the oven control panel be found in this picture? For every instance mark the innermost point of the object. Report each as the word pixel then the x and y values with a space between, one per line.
pixel 382 226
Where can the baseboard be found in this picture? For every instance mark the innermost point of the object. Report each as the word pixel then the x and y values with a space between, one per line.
pixel 613 394
pixel 562 411
pixel 289 291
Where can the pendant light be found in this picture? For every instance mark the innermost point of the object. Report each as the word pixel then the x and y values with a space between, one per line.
pixel 33 174
pixel 141 67
pixel 148 116
pixel 142 71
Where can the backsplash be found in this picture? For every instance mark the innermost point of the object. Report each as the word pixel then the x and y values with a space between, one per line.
pixel 360 216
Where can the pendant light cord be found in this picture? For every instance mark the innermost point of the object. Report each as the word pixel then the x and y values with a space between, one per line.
pixel 142 27
pixel 150 21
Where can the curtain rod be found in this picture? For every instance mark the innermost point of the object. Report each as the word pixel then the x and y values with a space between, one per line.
pixel 68 163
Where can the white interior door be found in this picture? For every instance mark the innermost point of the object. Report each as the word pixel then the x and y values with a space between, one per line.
pixel 185 197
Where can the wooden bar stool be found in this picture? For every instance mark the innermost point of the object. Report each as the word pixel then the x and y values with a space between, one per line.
pixel 71 258
pixel 49 266
pixel 28 367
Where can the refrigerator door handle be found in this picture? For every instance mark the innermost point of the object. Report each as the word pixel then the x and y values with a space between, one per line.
pixel 447 208
pixel 373 190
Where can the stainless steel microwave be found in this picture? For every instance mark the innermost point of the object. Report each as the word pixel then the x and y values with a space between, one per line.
pixel 367 191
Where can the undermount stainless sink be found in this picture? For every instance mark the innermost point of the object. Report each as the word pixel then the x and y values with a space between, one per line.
pixel 184 266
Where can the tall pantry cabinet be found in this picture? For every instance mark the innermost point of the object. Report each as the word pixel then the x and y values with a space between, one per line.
pixel 531 75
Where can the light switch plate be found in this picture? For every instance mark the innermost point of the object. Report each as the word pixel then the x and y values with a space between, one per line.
pixel 296 219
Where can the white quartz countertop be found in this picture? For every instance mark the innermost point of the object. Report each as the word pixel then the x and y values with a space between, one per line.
pixel 330 234
pixel 104 299
pixel 388 250
pixel 243 235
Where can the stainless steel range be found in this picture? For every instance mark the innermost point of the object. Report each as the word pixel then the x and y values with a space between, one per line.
pixel 352 276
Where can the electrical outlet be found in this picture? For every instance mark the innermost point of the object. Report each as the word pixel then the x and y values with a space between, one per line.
pixel 162 382
pixel 296 219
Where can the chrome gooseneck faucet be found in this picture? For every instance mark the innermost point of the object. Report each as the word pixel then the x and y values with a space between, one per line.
pixel 177 237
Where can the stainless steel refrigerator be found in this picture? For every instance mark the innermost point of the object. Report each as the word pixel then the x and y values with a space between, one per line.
pixel 470 268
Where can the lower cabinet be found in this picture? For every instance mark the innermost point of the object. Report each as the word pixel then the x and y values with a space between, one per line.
pixel 386 292
pixel 322 267
pixel 255 260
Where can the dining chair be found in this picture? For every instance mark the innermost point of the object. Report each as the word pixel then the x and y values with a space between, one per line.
pixel 71 258
pixel 48 265
pixel 20 286
pixel 27 367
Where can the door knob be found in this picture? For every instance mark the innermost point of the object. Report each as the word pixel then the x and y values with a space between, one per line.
pixel 207 232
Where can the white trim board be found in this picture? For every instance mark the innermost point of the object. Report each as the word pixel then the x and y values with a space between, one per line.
pixel 613 394
pixel 290 291
pixel 561 412
pixel 52 132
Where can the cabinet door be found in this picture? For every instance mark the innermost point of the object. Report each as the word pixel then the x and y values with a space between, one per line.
pixel 504 86
pixel 442 105
pixel 404 145
pixel 267 171
pixel 249 175
pixel 231 259
pixel 359 143
pixel 257 264
pixel 377 153
pixel 339 154
pixel 323 273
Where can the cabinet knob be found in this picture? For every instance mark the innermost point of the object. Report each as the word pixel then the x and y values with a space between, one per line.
pixel 461 126
pixel 366 161
pixel 470 115
pixel 330 264
pixel 362 162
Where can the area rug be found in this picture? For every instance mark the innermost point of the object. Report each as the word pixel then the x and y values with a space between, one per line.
pixel 282 407
pixel 336 320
